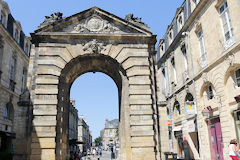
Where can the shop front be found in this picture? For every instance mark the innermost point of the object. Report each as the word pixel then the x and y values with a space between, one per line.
pixel 215 138
pixel 179 139
pixel 236 115
pixel 6 144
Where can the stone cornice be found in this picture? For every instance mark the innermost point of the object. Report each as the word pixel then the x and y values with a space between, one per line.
pixel 39 37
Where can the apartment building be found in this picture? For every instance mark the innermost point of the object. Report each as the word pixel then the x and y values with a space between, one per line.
pixel 110 134
pixel 73 126
pixel 84 135
pixel 199 79
pixel 14 59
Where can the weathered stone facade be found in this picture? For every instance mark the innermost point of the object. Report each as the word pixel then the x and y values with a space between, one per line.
pixel 198 78
pixel 84 135
pixel 109 134
pixel 93 41
pixel 14 59
pixel 73 127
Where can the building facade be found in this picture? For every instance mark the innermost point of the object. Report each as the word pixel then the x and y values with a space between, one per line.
pixel 110 134
pixel 198 78
pixel 14 60
pixel 84 135
pixel 73 127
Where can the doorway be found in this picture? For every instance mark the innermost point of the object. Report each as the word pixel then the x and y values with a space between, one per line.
pixel 215 138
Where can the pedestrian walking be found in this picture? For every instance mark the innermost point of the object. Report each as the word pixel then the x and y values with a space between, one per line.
pixel 233 149
pixel 94 152
pixel 100 152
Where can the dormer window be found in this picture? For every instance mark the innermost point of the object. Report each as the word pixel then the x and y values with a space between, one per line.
pixel 170 35
pixel 16 35
pixel 3 18
pixel 180 22
pixel 26 48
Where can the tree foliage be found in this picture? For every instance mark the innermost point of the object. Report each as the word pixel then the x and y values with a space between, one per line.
pixel 98 141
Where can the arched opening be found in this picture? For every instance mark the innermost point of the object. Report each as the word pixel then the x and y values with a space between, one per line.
pixel 75 68
pixel 189 97
pixel 176 108
pixel 8 111
pixel 95 96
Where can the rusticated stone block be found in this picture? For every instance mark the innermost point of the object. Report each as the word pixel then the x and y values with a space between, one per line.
pixel 146 141
pixel 130 62
pixel 45 110
pixel 45 121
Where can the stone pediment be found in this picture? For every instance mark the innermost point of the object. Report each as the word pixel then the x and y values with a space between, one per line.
pixel 93 21
pixel 95 24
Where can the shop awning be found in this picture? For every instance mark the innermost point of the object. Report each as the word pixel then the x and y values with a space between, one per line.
pixel 8 134
pixel 177 128
pixel 80 142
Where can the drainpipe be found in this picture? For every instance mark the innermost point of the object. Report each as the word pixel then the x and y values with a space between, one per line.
pixel 194 86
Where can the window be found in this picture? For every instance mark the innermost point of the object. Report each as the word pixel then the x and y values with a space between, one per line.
pixel 177 107
pixel 180 22
pixel 170 37
pixel 26 48
pixel 210 92
pixel 174 70
pixel 164 79
pixel 237 77
pixel 203 57
pixel 5 112
pixel 16 35
pixel 226 24
pixel 12 74
pixel 110 133
pixel 3 18
pixel 185 57
pixel 162 49
pixel 13 68
pixel 24 77
pixel 1 59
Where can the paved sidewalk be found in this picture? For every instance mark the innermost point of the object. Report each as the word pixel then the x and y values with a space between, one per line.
pixel 105 156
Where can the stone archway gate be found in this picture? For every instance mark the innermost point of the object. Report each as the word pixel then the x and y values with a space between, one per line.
pixel 93 41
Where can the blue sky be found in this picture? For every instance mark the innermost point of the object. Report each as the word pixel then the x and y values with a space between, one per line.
pixel 96 94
